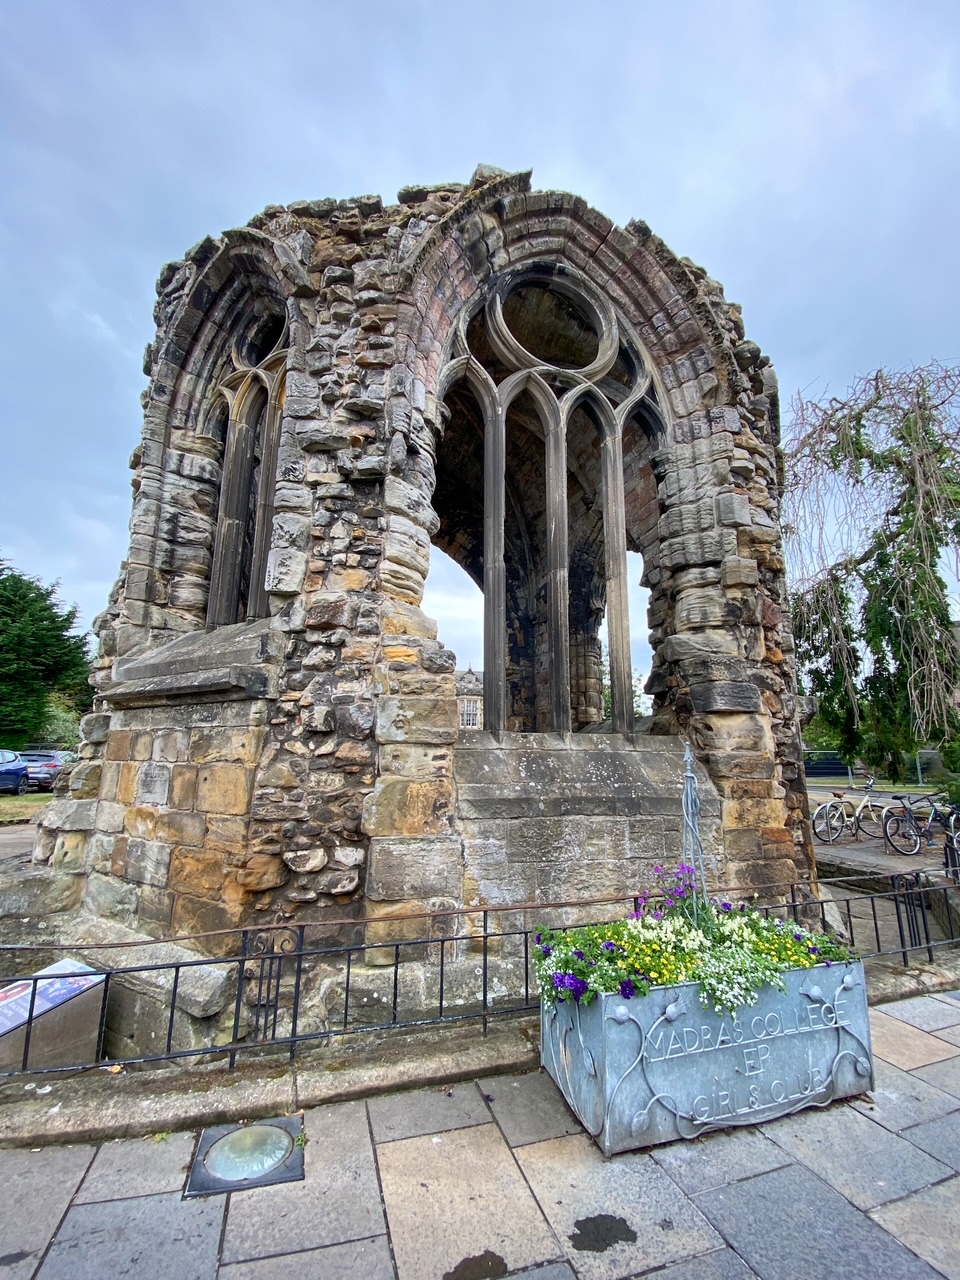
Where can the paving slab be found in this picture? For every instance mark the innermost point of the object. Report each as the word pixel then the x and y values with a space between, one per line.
pixel 529 1108
pixel 949 1034
pixel 723 1264
pixel 927 1223
pixel 37 1188
pixel 924 1012
pixel 904 1046
pixel 865 1162
pixel 457 1206
pixel 338 1200
pixel 942 1075
pixel 900 1099
pixel 148 1238
pixel 614 1217
pixel 362 1259
pixel 787 1224
pixel 423 1111
pixel 137 1167
pixel 948 995
pixel 719 1158
pixel 940 1138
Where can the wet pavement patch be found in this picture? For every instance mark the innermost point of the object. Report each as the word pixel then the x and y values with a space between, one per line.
pixel 601 1232
pixel 485 1266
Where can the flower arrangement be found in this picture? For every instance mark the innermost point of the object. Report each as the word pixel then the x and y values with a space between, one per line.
pixel 678 935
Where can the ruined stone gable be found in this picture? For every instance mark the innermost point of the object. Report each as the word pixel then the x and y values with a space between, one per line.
pixel 510 376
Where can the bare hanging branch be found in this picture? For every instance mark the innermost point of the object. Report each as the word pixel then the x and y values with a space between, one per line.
pixel 872 523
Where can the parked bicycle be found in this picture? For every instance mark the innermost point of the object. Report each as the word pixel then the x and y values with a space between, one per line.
pixel 910 823
pixel 835 817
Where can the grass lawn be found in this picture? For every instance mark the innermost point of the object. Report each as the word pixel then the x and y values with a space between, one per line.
pixel 27 806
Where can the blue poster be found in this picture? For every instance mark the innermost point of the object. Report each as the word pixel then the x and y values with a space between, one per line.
pixel 55 985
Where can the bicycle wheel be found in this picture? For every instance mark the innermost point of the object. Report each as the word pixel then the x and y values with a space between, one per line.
pixel 870 821
pixel 829 821
pixel 900 832
pixel 820 828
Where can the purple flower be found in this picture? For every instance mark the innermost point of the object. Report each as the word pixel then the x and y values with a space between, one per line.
pixel 798 937
pixel 609 946
pixel 547 951
pixel 658 915
pixel 726 906
pixel 658 871
pixel 579 954
pixel 814 951
pixel 570 982
pixel 538 938
pixel 627 989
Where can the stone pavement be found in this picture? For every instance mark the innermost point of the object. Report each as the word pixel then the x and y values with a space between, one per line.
pixel 495 1177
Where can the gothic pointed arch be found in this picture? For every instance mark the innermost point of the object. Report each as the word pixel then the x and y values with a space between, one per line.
pixel 543 332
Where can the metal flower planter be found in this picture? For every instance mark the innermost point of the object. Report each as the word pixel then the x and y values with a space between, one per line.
pixel 651 1070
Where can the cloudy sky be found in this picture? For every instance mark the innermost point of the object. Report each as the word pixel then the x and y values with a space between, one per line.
pixel 807 152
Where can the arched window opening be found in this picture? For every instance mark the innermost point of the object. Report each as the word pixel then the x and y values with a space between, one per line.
pixel 541 383
pixel 246 415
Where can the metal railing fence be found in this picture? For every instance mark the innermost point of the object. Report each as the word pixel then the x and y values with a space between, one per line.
pixel 283 990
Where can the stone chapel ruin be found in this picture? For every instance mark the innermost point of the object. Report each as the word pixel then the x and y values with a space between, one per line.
pixel 504 374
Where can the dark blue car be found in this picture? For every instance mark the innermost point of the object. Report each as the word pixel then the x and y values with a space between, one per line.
pixel 13 773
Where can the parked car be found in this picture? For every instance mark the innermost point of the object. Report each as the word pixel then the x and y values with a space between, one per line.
pixel 45 767
pixel 13 773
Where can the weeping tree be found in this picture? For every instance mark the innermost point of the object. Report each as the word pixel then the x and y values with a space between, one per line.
pixel 872 526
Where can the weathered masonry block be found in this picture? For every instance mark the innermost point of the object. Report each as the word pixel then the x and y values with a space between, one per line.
pixel 335 388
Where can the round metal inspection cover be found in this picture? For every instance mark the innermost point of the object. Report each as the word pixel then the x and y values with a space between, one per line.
pixel 234 1157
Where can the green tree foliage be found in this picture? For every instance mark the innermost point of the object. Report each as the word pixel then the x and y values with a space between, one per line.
pixel 642 702
pixel 38 657
pixel 872 518
pixel 61 724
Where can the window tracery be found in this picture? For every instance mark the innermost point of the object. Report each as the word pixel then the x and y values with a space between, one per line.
pixel 544 334
pixel 245 411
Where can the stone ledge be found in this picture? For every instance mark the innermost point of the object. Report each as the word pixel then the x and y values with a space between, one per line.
pixel 203 990
pixel 95 1106
pixel 227 682
pixel 645 743
pixel 245 644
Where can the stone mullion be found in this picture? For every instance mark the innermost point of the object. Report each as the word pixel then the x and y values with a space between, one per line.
pixel 558 571
pixel 615 550
pixel 494 573
pixel 258 606
pixel 225 573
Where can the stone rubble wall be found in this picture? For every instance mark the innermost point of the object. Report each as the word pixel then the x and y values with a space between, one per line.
pixel 220 805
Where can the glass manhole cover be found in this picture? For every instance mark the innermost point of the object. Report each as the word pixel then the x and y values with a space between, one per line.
pixel 232 1157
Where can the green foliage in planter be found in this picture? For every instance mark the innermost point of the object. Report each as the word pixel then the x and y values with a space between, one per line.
pixel 677 936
